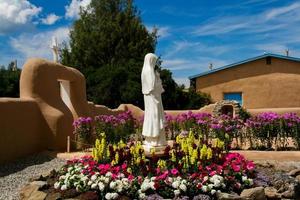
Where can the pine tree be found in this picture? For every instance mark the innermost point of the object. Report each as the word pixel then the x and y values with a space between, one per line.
pixel 108 44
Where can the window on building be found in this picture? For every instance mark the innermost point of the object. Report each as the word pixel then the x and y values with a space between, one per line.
pixel 236 96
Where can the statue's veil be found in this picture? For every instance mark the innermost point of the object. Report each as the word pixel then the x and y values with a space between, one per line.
pixel 148 74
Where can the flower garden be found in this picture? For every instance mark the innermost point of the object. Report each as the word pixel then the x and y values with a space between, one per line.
pixel 196 163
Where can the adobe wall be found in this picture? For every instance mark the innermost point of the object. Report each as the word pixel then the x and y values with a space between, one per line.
pixel 22 129
pixel 262 86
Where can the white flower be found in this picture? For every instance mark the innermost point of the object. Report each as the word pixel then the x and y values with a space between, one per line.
pixel 145 186
pixel 108 196
pixel 205 178
pixel 204 188
pixel 113 185
pixel 176 192
pixel 210 186
pixel 217 183
pixel 90 183
pixel 244 178
pixel 182 187
pixel 121 175
pixel 142 196
pixel 114 195
pixel 152 185
pixel 106 180
pixel 250 181
pixel 63 187
pixel 56 185
pixel 108 174
pixel 70 169
pixel 101 186
pixel 94 186
pixel 213 191
pixel 94 177
pixel 175 184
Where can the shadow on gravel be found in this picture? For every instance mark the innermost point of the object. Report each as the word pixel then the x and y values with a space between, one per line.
pixel 22 163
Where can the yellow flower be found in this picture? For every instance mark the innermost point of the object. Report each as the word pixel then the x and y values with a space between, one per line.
pixel 173 156
pixel 129 170
pixel 209 153
pixel 117 157
pixel 203 152
pixel 194 156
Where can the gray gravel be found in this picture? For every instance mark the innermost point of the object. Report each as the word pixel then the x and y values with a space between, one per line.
pixel 15 175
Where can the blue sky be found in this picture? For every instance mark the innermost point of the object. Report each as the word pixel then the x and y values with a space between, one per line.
pixel 193 33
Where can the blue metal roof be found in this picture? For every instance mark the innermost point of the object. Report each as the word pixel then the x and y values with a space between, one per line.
pixel 243 62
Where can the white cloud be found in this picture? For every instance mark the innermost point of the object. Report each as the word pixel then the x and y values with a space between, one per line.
pixel 274 19
pixel 72 10
pixel 163 32
pixel 198 64
pixel 282 10
pixel 182 81
pixel 50 19
pixel 15 14
pixel 38 45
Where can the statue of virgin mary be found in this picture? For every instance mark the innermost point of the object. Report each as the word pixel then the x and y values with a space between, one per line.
pixel 154 118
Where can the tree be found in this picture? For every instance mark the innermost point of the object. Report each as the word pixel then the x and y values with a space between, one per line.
pixel 108 44
pixel 9 81
pixel 176 97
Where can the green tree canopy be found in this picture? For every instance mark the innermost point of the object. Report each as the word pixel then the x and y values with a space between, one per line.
pixel 9 81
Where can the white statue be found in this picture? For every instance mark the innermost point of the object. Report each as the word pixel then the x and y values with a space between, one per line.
pixel 154 118
pixel 55 49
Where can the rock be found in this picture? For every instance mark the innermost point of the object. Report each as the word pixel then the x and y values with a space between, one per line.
pixel 26 191
pixel 294 172
pixel 257 193
pixel 40 184
pixel 226 196
pixel 37 195
pixel 202 197
pixel 298 178
pixel 53 196
pixel 272 193
pixel 288 194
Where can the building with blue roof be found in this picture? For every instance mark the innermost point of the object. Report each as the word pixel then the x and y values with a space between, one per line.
pixel 266 81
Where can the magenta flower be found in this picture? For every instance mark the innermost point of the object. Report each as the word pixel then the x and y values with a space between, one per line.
pixel 174 171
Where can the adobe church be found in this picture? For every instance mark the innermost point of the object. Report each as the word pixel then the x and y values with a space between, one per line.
pixel 268 82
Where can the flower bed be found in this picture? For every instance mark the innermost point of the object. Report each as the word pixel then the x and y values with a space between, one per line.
pixel 188 168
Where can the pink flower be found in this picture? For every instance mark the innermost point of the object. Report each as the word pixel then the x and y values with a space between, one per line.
pixel 140 179
pixel 174 171
pixel 157 170
pixel 250 166
pixel 124 166
pixel 236 168
pixel 130 177
pixel 212 173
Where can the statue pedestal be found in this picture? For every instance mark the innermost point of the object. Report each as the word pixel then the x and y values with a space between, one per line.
pixel 157 150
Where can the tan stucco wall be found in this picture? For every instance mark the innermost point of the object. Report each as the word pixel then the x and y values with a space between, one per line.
pixel 262 86
pixel 23 130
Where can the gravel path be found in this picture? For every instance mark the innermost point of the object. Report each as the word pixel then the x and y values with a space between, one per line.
pixel 13 176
